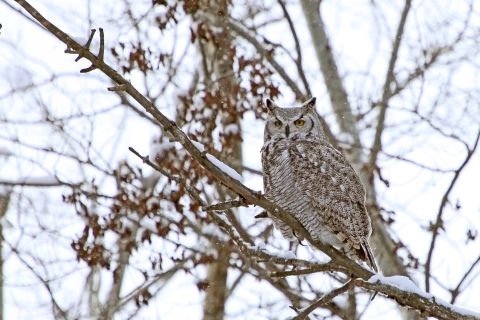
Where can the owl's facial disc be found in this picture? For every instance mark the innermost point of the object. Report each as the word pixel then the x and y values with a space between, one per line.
pixel 293 123
pixel 288 123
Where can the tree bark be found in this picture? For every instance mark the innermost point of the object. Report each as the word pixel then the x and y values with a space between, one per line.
pixel 219 71
pixel 4 200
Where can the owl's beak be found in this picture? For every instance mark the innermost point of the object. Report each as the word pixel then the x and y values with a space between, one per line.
pixel 287 130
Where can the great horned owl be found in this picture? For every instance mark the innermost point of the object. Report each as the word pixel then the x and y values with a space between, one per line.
pixel 309 178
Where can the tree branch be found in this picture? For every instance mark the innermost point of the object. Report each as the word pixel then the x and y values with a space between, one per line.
pixel 456 292
pixel 388 87
pixel 299 59
pixel 268 55
pixel 327 297
pixel 439 223
pixel 427 304
pixel 326 267
pixel 228 205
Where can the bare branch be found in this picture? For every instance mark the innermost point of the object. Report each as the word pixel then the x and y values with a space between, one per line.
pixel 327 267
pixel 439 222
pixel 268 55
pixel 298 61
pixel 388 87
pixel 228 205
pixel 456 292
pixel 165 276
pixel 327 297
pixel 417 164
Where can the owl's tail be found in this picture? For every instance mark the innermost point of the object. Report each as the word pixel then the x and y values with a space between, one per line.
pixel 369 255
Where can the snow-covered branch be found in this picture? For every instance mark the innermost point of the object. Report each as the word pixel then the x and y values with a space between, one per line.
pixel 47 181
pixel 406 293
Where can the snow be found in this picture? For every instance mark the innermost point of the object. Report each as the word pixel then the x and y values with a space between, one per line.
pixel 288 255
pixel 405 284
pixel 235 232
pixel 401 282
pixel 222 166
pixel 283 255
pixel 198 145
pixel 4 192
pixel 80 40
pixel 261 245
pixel 41 181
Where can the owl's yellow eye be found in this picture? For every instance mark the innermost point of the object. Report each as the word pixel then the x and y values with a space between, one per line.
pixel 299 122
pixel 278 123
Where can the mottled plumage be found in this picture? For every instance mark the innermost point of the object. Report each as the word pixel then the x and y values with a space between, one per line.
pixel 313 181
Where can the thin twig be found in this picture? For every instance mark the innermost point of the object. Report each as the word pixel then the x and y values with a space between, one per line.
pixel 439 223
pixel 387 87
pixel 297 61
pixel 456 292
pixel 245 248
pixel 416 163
pixel 228 205
pixel 327 267
pixel 327 297
pixel 268 55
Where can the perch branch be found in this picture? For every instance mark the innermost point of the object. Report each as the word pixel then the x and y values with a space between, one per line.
pixel 427 306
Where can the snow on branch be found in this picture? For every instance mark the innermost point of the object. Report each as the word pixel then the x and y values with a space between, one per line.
pixel 406 293
pixel 47 181
pixel 222 166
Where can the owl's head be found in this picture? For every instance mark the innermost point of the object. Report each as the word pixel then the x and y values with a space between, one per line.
pixel 293 123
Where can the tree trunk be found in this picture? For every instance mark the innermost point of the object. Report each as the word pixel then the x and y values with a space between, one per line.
pixel 4 200
pixel 218 69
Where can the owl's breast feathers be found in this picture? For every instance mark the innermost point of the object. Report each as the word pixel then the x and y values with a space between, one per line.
pixel 333 195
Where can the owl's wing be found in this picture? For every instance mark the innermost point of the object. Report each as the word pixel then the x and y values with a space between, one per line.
pixel 325 178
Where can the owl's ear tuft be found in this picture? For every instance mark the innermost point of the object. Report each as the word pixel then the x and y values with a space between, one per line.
pixel 270 105
pixel 310 104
